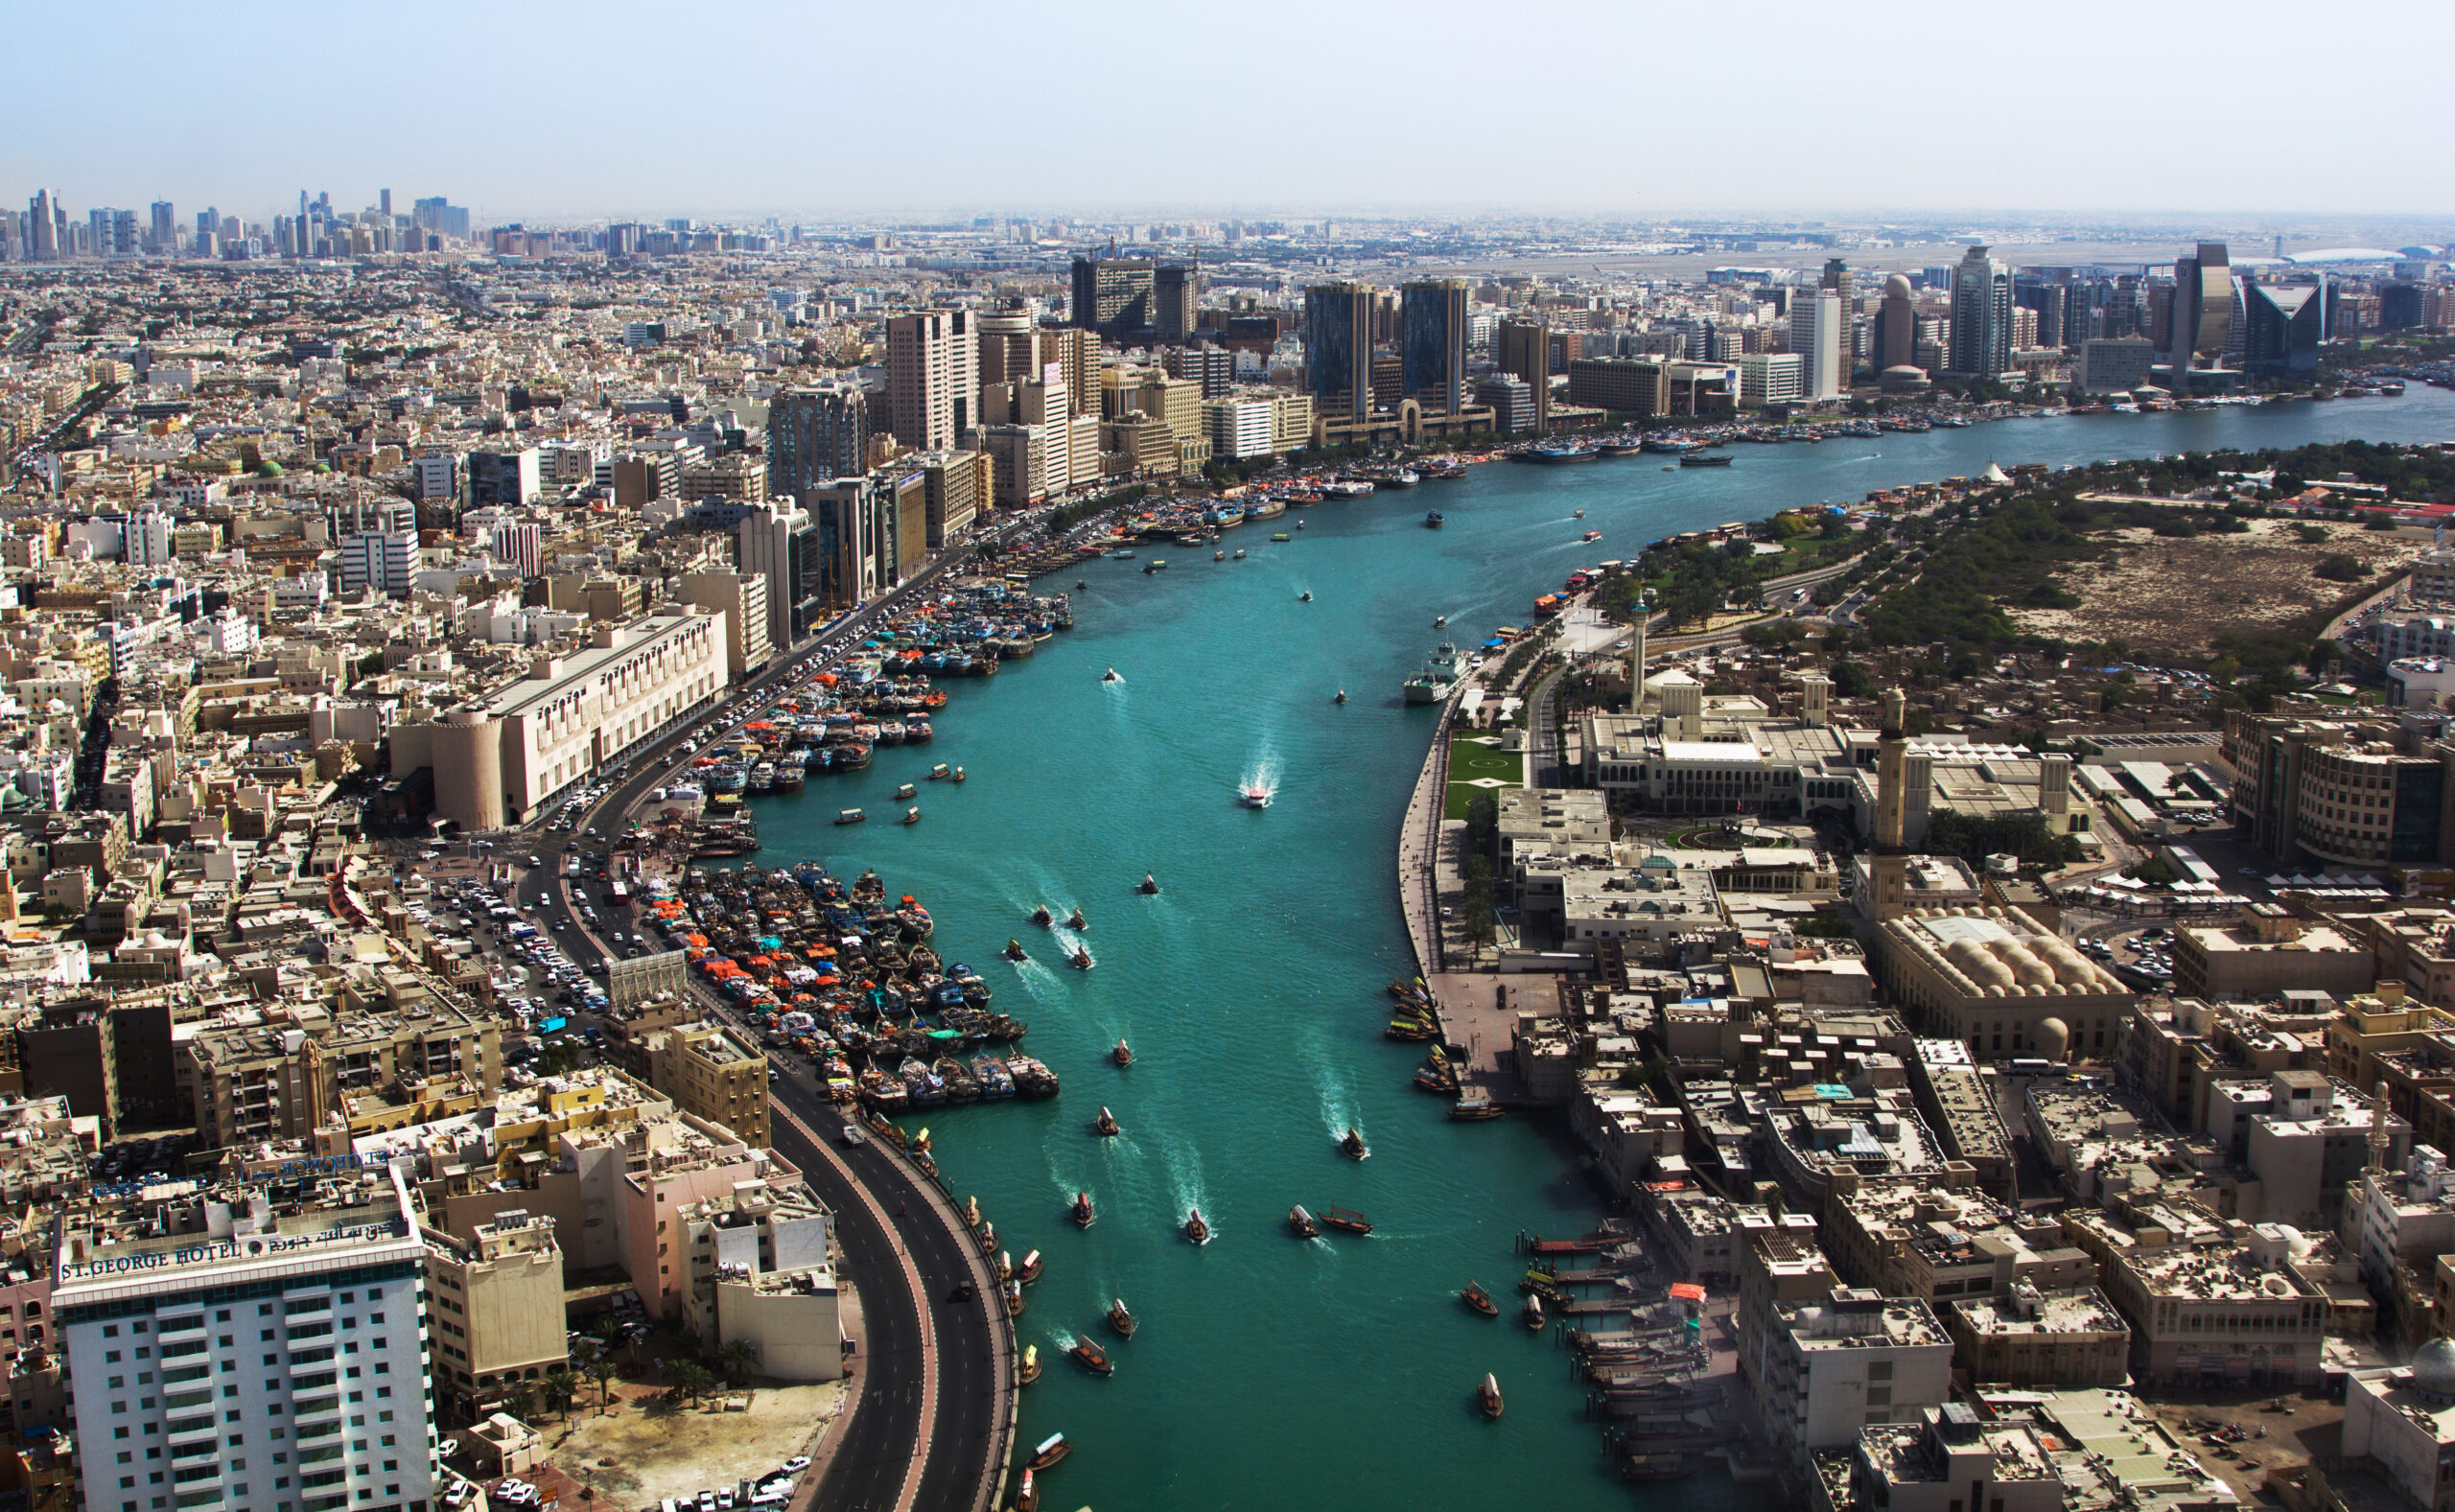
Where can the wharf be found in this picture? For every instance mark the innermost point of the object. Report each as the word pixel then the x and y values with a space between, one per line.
pixel 1479 1020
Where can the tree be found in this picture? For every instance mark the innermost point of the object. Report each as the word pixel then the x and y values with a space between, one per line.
pixel 561 1384
pixel 600 1369
pixel 688 1377
pixel 739 1356
pixel 2339 567
pixel 520 1398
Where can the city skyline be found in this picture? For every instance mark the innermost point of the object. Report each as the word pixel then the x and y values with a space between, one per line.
pixel 803 140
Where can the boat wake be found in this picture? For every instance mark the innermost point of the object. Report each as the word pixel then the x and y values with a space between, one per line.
pixel 1262 776
pixel 1185 1178
pixel 1336 1115
pixel 1062 1339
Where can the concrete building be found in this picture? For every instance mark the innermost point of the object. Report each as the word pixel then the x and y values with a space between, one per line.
pixel 288 1072
pixel 2404 1421
pixel 504 477
pixel 1771 378
pixel 2116 364
pixel 1994 981
pixel 741 597
pixel 2212 1306
pixel 1523 350
pixel 206 1282
pixel 817 436
pixel 1981 330
pixel 1834 1365
pixel 383 561
pixel 496 1301
pixel 2033 1337
pixel 1816 338
pixel 2306 1153
pixel 709 1070
pixel 763 1274
pixel 2271 951
pixel 778 543
pixel 932 378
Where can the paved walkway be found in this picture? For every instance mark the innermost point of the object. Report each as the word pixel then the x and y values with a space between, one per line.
pixel 1478 1013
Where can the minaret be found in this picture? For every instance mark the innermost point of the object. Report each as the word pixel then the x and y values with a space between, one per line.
pixel 1892 809
pixel 2379 1127
pixel 1637 654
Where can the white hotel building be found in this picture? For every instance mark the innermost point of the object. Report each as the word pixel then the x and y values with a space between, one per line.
pixel 227 1350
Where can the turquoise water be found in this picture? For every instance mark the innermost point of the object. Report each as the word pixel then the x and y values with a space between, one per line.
pixel 1270 1372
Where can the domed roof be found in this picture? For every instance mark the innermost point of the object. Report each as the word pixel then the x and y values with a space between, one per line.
pixel 1905 371
pixel 1897 287
pixel 2434 1368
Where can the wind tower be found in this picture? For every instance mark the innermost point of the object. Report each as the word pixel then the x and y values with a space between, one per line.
pixel 1892 811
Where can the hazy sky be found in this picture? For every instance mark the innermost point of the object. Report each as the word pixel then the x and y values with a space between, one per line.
pixel 739 106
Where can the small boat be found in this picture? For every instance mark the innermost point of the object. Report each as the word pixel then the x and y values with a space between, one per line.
pixel 1300 1222
pixel 1080 959
pixel 958 775
pixel 1340 698
pixel 1219 556
pixel 907 790
pixel 1027 1495
pixel 1432 519
pixel 920 1140
pixel 971 1211
pixel 1109 676
pixel 1705 459
pixel 1346 1219
pixel 1040 916
pixel 911 816
pixel 1077 922
pixel 1532 1314
pixel 1474 1107
pixel 1052 1449
pixel 1579 515
pixel 850 816
pixel 1352 1146
pixel 1240 553
pixel 1013 1299
pixel 1195 1230
pixel 937 773
pixel 1029 1270
pixel 1488 1396
pixel 1091 1358
pixel 1481 1301
pixel 1120 1319
pixel 1005 1268
pixel 1123 1053
pixel 1440 621
pixel 1081 1212
pixel 1015 950
pixel 988 1236
pixel 1029 1370
pixel 1592 535
pixel 1105 1125
pixel 1281 535
pixel 1150 885
pixel 1305 597
pixel 1254 797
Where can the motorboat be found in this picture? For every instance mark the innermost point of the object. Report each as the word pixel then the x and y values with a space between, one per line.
pixel 1091 1358
pixel 1305 597
pixel 1532 1314
pixel 1488 1396
pixel 1077 922
pixel 1240 553
pixel 907 790
pixel 1352 1146
pixel 920 1144
pixel 1254 797
pixel 938 773
pixel 958 776
pixel 1478 1299
pixel 1081 1212
pixel 1029 1271
pixel 1080 959
pixel 1015 950
pixel 1013 1299
pixel 1432 519
pixel 1440 621
pixel 850 816
pixel 1346 1219
pixel 1109 676
pixel 1051 1450
pixel 911 816
pixel 1300 1222
pixel 971 1211
pixel 1120 1319
pixel 1105 1125
pixel 1027 1495
pixel 1040 916
pixel 1591 535
pixel 1579 515
pixel 1005 1266
pixel 1029 1370
pixel 1195 1230
pixel 1122 1055
pixel 1150 885
pixel 1340 697
pixel 1219 556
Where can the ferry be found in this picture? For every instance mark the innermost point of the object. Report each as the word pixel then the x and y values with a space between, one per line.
pixel 1440 673
pixel 1029 1370
pixel 1353 1148
pixel 1081 1212
pixel 1254 797
pixel 1105 1125
pixel 1346 1219
pixel 1122 1055
pixel 1029 1270
pixel 1300 1222
pixel 907 790
pixel 1026 1494
pixel 1051 1450
pixel 1532 1314
pixel 1591 535
pixel 1474 1105
pixel 1478 1299
pixel 1488 1396
pixel 1091 1358
pixel 1195 1230
pixel 850 816
pixel 1120 1319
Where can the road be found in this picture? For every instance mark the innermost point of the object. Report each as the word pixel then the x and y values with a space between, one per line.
pixel 928 1426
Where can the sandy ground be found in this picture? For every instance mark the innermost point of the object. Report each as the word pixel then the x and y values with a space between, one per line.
pixel 2168 596
pixel 643 1451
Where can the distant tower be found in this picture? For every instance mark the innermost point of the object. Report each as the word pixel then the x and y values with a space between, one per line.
pixel 1643 612
pixel 1892 809
pixel 2379 1127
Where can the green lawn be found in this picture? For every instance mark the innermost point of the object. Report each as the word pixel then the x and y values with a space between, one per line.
pixel 1470 761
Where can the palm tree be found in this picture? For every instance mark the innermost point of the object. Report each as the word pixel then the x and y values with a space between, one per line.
pixel 600 1370
pixel 519 1398
pixel 562 1384
pixel 688 1377
pixel 739 1356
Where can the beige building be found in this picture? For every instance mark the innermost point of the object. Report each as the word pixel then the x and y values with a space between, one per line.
pixel 2033 1336
pixel 288 1071
pixel 741 597
pixel 762 1272
pixel 2405 1420
pixel 932 378
pixel 708 1070
pixel 2215 1306
pixel 496 1306
pixel 1989 979
pixel 2271 951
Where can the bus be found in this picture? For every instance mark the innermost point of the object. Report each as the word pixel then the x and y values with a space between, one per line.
pixel 621 891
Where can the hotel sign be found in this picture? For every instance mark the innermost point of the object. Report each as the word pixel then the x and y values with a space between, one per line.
pixel 258 1246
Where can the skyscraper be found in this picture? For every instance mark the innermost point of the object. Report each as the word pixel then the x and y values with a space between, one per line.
pixel 1523 350
pixel 1432 339
pixel 43 241
pixel 1338 348
pixel 1837 277
pixel 1894 341
pixel 1815 335
pixel 2281 329
pixel 932 378
pixel 165 229
pixel 1981 317
pixel 1112 294
pixel 1175 292
pixel 2203 311
pixel 817 436
pixel 779 541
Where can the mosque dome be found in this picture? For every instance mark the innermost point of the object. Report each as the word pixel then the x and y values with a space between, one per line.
pixel 2434 1369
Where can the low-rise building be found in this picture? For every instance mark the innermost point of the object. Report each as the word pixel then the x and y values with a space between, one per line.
pixel 1836 1364
pixel 2041 1337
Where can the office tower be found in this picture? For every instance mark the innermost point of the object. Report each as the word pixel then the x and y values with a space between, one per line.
pixel 817 436
pixel 522 545
pixel 1112 294
pixel 1175 292
pixel 1338 348
pixel 779 541
pixel 1523 350
pixel 1893 797
pixel 1816 336
pixel 932 378
pixel 1836 278
pixel 2203 311
pixel 503 478
pixel 165 229
pixel 43 242
pixel 2281 328
pixel 2400 306
pixel 1044 402
pixel 1893 342
pixel 1008 351
pixel 321 1273
pixel 383 200
pixel 1981 344
pixel 1213 367
pixel 1432 339
pixel 1077 352
pixel 383 560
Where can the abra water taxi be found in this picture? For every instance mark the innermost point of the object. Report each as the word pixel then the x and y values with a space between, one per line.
pixel 1077 922
pixel 1014 951
pixel 1080 959
pixel 1091 1358
pixel 1105 1125
pixel 1352 1146
pixel 850 816
pixel 1081 1212
pixel 939 773
pixel 1488 1396
pixel 1109 676
pixel 1346 1219
pixel 1532 1314
pixel 1340 697
pixel 1013 1299
pixel 1195 1230
pixel 1240 553
pixel 1027 1495
pixel 1150 885
pixel 1300 1222
pixel 907 790
pixel 1478 1299
pixel 1040 916
pixel 911 816
pixel 1120 1319
pixel 1280 535
pixel 1122 1055
pixel 1029 1370
pixel 1029 1271
pixel 1051 1450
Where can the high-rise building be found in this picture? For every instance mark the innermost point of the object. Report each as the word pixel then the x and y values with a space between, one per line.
pixel 521 544
pixel 1338 348
pixel 43 218
pixel 1175 290
pixel 1523 350
pixel 817 436
pixel 149 536
pixel 383 560
pixel 322 1274
pixel 2281 328
pixel 2203 311
pixel 1213 367
pixel 1893 340
pixel 165 229
pixel 1836 278
pixel 932 378
pixel 1431 340
pixel 1816 336
pixel 1008 351
pixel 1077 352
pixel 1981 342
pixel 780 540
pixel 1113 294
pixel 504 477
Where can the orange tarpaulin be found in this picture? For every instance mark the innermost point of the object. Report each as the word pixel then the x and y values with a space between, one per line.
pixel 1687 1291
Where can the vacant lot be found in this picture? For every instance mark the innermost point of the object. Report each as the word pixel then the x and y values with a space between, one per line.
pixel 2170 596
pixel 644 1450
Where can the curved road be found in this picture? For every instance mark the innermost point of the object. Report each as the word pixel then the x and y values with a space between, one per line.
pixel 925 1427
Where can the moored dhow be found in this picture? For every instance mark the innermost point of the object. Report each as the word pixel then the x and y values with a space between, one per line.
pixel 1346 1219
pixel 1051 1450
pixel 1029 1370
